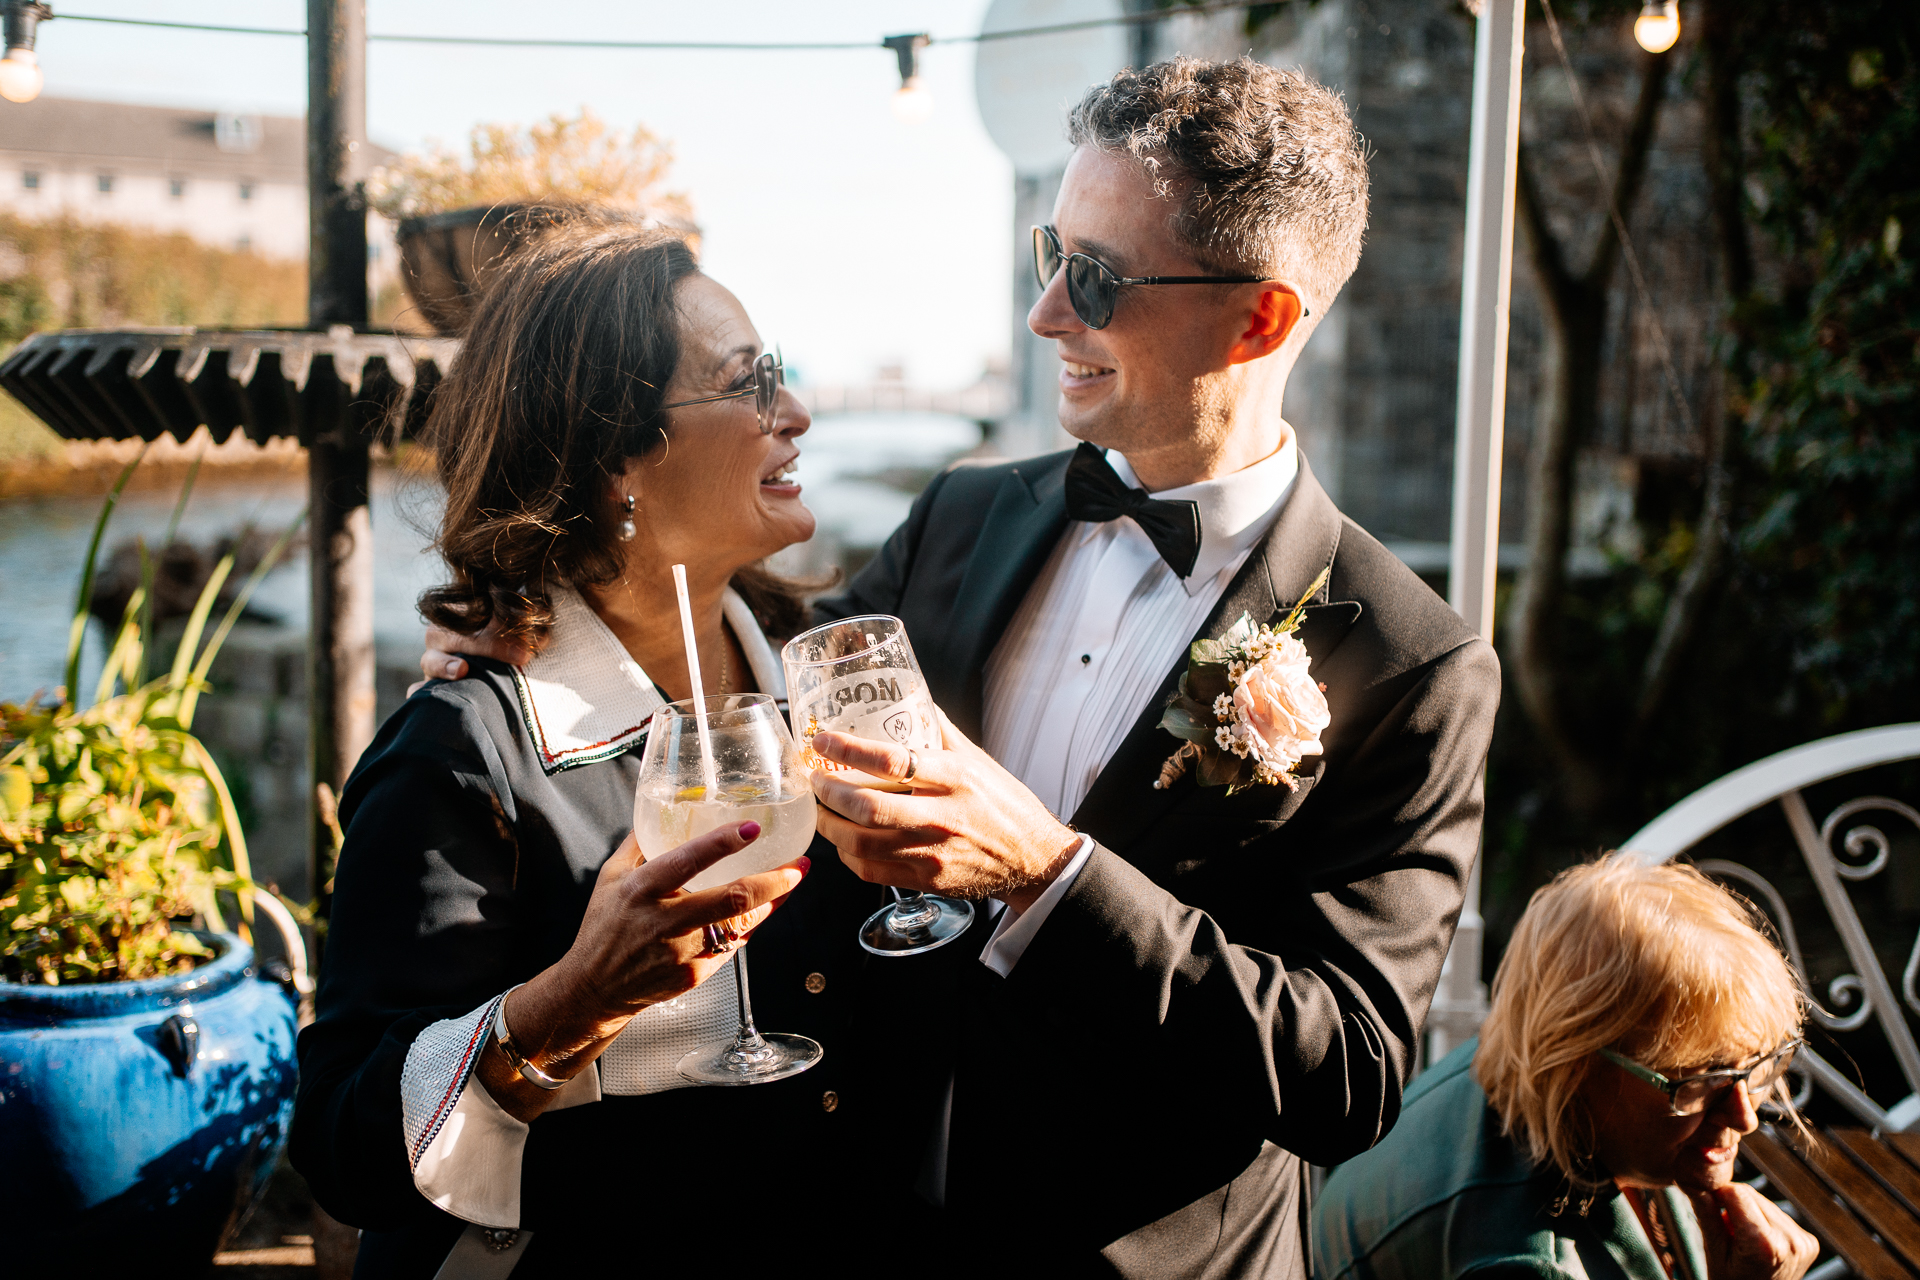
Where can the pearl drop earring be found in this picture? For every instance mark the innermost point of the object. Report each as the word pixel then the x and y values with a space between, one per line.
pixel 626 525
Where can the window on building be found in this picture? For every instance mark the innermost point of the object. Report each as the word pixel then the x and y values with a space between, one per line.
pixel 176 187
pixel 30 180
pixel 106 184
pixel 246 191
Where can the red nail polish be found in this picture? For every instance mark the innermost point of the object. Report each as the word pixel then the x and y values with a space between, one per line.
pixel 806 864
pixel 749 831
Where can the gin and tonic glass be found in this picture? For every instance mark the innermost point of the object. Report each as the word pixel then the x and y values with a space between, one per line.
pixel 756 774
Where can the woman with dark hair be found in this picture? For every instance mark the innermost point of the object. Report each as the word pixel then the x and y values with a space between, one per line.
pixel 490 1081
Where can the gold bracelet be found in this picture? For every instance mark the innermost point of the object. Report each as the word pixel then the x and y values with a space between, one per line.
pixel 515 1059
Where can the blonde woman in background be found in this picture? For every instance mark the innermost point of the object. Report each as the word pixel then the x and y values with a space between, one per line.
pixel 1638 1020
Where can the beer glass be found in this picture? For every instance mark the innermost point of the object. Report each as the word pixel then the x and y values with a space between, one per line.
pixel 859 677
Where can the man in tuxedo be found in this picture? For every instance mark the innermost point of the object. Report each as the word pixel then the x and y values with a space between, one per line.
pixel 1188 994
pixel 1178 996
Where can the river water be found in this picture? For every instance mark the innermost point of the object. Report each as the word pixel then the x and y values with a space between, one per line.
pixel 858 474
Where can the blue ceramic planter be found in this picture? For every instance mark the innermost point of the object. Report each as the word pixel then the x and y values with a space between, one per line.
pixel 139 1119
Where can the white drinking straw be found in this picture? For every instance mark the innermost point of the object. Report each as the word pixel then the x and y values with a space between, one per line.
pixel 693 674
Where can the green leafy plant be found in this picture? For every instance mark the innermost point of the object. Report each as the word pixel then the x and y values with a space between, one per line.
pixel 117 830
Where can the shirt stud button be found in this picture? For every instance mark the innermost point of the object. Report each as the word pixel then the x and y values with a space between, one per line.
pixel 1085 659
pixel 816 983
pixel 829 1101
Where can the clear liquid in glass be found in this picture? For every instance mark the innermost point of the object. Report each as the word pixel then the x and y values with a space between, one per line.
pixel 665 817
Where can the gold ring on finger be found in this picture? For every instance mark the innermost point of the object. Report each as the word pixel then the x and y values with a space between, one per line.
pixel 719 939
pixel 913 765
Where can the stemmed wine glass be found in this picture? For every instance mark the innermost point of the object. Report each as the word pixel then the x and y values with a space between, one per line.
pixel 755 775
pixel 859 677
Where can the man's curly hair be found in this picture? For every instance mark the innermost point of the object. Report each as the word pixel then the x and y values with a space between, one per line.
pixel 1270 173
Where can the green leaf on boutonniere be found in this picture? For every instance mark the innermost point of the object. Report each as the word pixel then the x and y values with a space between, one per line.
pixel 1181 722
pixel 1222 769
pixel 1204 684
pixel 1238 634
pixel 1207 653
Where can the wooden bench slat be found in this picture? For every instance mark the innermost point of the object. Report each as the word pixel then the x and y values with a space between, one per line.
pixel 1893 1221
pixel 1877 1156
pixel 1825 1216
pixel 1907 1144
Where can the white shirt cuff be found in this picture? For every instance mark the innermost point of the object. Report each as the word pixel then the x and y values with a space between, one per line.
pixel 466 1154
pixel 1017 928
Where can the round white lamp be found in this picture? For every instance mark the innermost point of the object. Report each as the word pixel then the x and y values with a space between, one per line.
pixel 1658 25
pixel 20 77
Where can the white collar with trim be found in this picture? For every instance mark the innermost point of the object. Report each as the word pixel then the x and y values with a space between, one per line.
pixel 585 699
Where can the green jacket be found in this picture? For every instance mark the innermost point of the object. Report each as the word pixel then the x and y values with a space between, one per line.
pixel 1444 1195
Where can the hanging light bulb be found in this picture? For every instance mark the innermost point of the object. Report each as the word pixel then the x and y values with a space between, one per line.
pixel 913 101
pixel 1658 25
pixel 20 77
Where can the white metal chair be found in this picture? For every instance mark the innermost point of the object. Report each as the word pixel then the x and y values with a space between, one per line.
pixel 1866 992
pixel 1781 779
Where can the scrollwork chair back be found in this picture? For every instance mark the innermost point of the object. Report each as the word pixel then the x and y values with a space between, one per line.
pixel 1866 992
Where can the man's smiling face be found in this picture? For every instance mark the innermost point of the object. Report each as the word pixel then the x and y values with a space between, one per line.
pixel 1154 378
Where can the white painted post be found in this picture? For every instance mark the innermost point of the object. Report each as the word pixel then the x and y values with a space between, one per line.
pixel 1486 289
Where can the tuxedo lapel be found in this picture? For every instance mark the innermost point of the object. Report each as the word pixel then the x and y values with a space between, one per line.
pixel 1122 802
pixel 1028 514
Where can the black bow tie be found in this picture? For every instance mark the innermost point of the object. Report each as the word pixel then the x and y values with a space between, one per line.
pixel 1097 495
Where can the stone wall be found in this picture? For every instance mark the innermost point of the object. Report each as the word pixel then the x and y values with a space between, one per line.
pixel 1374 394
pixel 255 723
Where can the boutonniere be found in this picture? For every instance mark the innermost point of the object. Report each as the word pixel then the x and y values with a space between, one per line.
pixel 1247 708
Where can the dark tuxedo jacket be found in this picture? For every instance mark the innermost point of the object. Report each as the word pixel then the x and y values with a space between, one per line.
pixel 1233 985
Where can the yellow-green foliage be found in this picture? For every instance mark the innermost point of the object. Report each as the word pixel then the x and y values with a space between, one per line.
pixel 574 161
pixel 109 831
pixel 63 273
pixel 71 274
pixel 115 822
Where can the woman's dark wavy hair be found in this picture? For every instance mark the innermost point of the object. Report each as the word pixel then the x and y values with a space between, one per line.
pixel 558 382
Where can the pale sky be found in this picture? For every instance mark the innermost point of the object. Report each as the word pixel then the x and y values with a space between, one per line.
pixel 854 240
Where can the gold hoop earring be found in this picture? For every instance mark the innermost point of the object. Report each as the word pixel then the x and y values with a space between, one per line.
pixel 626 525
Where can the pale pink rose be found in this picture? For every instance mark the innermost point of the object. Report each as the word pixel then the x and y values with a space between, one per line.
pixel 1283 709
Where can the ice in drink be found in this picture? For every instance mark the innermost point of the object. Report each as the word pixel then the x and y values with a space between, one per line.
pixel 666 817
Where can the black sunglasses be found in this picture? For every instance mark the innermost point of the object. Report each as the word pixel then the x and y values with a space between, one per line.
pixel 1093 288
pixel 769 375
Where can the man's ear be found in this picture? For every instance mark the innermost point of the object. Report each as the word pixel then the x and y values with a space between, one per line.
pixel 1273 319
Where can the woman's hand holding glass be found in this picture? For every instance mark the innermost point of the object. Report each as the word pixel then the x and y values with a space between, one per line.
pixel 641 943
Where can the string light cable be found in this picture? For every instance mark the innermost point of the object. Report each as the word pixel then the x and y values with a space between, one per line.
pixel 741 46
pixel 1627 252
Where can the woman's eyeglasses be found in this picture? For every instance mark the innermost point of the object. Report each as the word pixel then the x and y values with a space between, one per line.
pixel 1093 288
pixel 1691 1095
pixel 769 375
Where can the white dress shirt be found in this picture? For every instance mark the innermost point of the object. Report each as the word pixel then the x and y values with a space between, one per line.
pixel 1097 633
